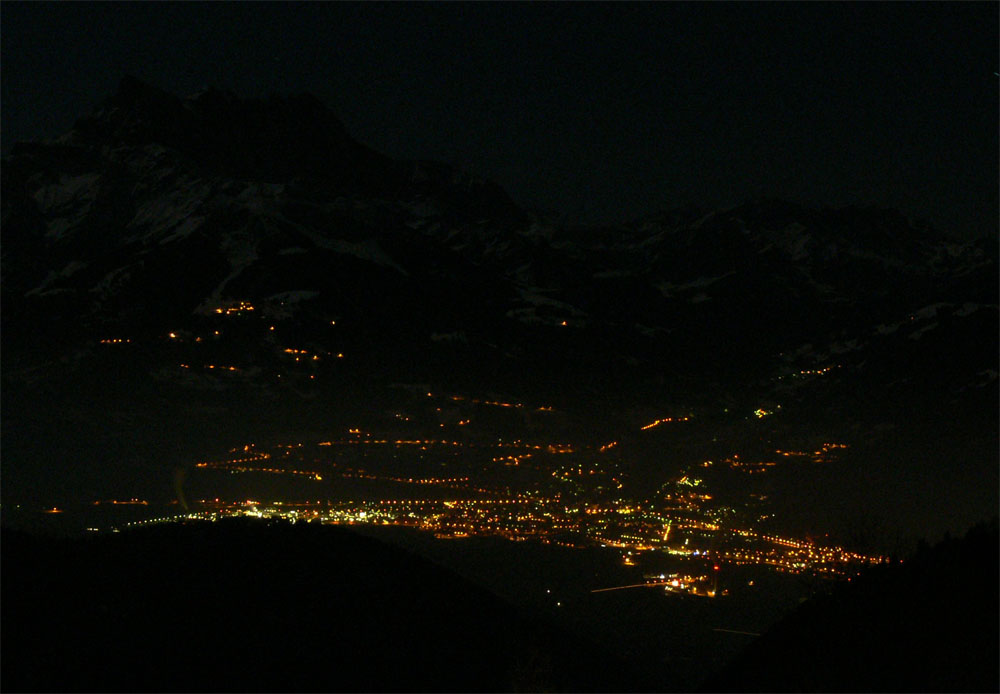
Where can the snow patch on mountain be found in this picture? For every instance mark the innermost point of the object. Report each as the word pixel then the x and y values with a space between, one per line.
pixel 72 267
pixel 989 375
pixel 968 308
pixel 365 250
pixel 368 250
pixel 535 299
pixel 56 228
pixel 184 229
pixel 114 279
pixel 172 216
pixel 794 241
pixel 543 310
pixel 40 290
pixel 421 209
pixel 669 289
pixel 260 198
pixel 457 336
pixel 67 202
pixel 917 334
pixel 43 289
pixel 705 219
pixel 68 190
pixel 931 310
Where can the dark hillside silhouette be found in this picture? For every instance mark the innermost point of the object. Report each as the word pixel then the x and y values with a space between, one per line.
pixel 928 625
pixel 262 606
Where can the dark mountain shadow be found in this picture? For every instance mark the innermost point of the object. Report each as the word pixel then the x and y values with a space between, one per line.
pixel 927 625
pixel 240 605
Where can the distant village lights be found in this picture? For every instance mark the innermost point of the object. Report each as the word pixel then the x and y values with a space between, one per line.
pixel 234 309
pixel 658 422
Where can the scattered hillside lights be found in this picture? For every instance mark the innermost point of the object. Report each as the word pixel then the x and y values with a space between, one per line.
pixel 658 422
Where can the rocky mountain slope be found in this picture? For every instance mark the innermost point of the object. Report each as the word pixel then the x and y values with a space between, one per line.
pixel 174 257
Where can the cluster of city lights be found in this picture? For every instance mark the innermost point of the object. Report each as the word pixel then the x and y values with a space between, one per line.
pixel 811 372
pixel 568 495
pixel 665 420
pixel 494 403
pixel 234 309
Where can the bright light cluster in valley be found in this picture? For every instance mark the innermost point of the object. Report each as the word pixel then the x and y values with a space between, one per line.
pixel 552 493
pixel 472 482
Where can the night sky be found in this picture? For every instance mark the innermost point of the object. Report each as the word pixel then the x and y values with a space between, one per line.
pixel 594 112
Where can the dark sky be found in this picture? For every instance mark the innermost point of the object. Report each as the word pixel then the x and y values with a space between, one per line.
pixel 598 112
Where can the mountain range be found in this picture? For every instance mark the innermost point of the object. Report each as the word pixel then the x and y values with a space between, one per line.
pixel 163 237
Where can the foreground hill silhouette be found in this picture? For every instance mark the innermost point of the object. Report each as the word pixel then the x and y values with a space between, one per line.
pixel 261 606
pixel 928 625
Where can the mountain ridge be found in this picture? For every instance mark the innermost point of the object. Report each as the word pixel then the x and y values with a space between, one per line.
pixel 151 183
pixel 433 277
